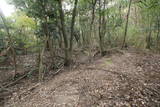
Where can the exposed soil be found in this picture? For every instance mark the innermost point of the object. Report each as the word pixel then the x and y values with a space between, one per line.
pixel 120 80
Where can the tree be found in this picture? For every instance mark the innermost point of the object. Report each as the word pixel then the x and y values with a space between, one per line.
pixel 72 26
pixel 63 28
pixel 126 26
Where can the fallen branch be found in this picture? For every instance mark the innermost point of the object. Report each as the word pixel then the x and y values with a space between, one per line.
pixel 58 71
pixel 4 89
pixel 14 82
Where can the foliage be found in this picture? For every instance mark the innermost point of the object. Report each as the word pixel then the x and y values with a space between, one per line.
pixel 95 21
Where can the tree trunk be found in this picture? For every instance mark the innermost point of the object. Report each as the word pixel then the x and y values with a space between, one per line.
pixel 41 66
pixel 91 33
pixel 126 27
pixel 63 28
pixel 60 38
pixel 103 23
pixel 72 27
pixel 149 40
pixel 101 29
pixel 158 38
pixel 93 15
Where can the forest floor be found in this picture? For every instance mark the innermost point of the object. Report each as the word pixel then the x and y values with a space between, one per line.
pixel 130 79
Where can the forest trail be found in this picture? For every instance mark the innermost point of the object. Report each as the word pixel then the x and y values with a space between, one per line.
pixel 80 53
pixel 128 79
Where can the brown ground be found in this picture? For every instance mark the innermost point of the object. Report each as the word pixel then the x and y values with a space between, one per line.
pixel 120 80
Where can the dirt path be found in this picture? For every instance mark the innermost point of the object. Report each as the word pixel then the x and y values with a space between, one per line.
pixel 128 80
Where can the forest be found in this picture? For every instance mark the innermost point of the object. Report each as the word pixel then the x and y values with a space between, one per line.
pixel 80 53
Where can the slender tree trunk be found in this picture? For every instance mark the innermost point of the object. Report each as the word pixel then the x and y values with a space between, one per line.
pixel 46 46
pixel 149 40
pixel 120 11
pixel 108 30
pixel 72 26
pixel 101 30
pixel 91 33
pixel 60 38
pixel 158 38
pixel 136 16
pixel 126 27
pixel 41 66
pixel 63 28
pixel 93 14
pixel 103 22
pixel 83 38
